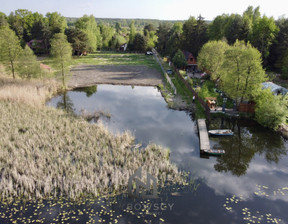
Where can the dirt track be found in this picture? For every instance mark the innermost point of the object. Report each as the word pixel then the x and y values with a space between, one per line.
pixel 87 75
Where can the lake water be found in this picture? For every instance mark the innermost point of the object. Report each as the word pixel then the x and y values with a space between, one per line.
pixel 249 183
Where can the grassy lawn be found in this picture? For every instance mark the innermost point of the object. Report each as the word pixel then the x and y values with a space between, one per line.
pixel 111 58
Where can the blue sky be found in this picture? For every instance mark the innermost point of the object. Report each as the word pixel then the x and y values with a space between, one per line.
pixel 151 9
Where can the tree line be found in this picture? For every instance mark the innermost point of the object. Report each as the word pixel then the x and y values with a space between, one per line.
pixel 266 34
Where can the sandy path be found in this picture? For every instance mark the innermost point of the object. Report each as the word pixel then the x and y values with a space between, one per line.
pixel 87 75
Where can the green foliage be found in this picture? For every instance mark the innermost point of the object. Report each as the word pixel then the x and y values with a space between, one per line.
pixel 140 43
pixel 3 20
pixel 107 33
pixel 194 35
pixel 117 41
pixel 27 65
pixel 163 34
pixel 118 28
pixel 207 90
pixel 278 50
pixel 132 32
pixel 242 71
pixel 174 41
pixel 271 111
pixel 61 51
pixel 57 23
pixel 179 59
pixel 89 26
pixel 211 58
pixel 264 34
pixel 78 39
pixel 9 49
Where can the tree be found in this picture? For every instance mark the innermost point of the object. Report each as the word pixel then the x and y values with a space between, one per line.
pixel 107 33
pixel 61 51
pixel 179 59
pixel 284 67
pixel 211 58
pixel 27 65
pixel 78 40
pixel 9 49
pixel 174 41
pixel 194 35
pixel 89 26
pixel 264 34
pixel 118 27
pixel 117 41
pixel 217 28
pixel 139 43
pixel 278 50
pixel 236 29
pixel 163 34
pixel 57 23
pixel 132 32
pixel 3 20
pixel 271 111
pixel 150 35
pixel 242 71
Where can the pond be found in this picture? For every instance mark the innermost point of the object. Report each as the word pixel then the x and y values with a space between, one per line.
pixel 248 184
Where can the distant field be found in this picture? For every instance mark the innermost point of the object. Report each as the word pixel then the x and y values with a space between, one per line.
pixel 115 58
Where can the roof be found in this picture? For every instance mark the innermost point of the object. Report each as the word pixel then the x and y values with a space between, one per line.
pixel 274 88
pixel 187 54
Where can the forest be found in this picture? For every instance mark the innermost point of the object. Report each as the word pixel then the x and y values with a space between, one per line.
pixel 88 34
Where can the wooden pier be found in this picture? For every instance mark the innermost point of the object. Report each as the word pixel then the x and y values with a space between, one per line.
pixel 204 140
pixel 203 135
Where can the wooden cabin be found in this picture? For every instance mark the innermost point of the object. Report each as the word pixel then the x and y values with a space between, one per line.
pixel 191 61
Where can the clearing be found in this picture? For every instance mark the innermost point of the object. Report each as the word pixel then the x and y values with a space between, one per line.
pixel 87 75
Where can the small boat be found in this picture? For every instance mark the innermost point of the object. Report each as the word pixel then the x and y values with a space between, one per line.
pixel 221 132
pixel 215 152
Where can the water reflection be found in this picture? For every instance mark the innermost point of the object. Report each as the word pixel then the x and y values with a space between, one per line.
pixel 65 103
pixel 255 157
pixel 246 142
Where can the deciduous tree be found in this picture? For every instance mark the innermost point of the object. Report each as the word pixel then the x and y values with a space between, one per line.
pixel 27 65
pixel 9 49
pixel 242 71
pixel 61 51
pixel 271 111
pixel 211 58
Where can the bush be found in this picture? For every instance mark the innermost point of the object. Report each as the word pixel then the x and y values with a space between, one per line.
pixel 271 111
pixel 179 59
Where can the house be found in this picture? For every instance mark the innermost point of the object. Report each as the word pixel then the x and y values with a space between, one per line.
pixel 37 46
pixel 123 47
pixel 275 89
pixel 191 61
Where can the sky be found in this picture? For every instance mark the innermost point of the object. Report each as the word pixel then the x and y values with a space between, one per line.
pixel 146 9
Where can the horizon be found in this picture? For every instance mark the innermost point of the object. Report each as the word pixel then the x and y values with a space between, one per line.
pixel 170 10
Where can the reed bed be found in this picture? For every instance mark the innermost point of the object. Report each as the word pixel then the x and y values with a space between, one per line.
pixel 30 92
pixel 45 152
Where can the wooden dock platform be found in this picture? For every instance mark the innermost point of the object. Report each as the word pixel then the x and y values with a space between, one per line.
pixel 203 134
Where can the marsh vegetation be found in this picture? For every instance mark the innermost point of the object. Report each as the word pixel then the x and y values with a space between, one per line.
pixel 49 153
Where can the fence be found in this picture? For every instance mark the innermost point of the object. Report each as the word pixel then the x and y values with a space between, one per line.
pixel 159 60
pixel 189 87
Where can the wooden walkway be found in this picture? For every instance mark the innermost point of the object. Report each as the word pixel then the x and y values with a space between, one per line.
pixel 204 138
